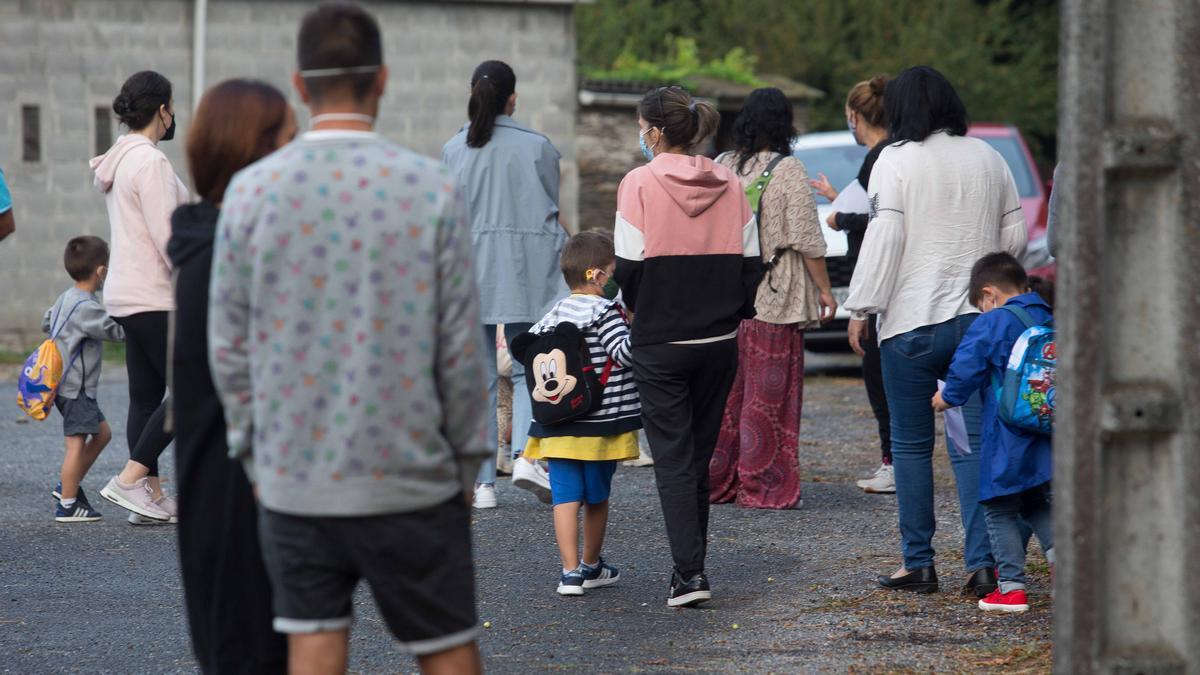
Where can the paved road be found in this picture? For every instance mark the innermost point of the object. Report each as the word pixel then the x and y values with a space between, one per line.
pixel 793 589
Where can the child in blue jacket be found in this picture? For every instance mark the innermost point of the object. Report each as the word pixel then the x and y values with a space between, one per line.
pixel 1015 465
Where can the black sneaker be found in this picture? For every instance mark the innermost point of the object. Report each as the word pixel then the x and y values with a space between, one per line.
pixel 689 592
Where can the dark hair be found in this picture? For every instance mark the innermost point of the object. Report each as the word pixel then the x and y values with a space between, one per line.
pixel 766 122
pixel 492 83
pixel 921 101
pixel 588 250
pixel 339 35
pixel 236 124
pixel 85 255
pixel 684 121
pixel 141 97
pixel 866 99
pixel 996 269
pixel 1043 287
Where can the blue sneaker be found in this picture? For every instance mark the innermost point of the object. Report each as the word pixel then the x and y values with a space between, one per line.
pixel 79 512
pixel 602 574
pixel 571 583
pixel 80 497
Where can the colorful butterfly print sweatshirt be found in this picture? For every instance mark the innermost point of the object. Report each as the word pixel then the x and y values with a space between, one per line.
pixel 344 329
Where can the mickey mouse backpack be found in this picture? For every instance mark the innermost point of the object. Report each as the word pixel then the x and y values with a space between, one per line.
pixel 563 384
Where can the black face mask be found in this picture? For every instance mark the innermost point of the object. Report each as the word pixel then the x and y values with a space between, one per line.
pixel 170 130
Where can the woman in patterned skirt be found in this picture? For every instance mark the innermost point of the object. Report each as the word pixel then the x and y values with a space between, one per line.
pixel 756 463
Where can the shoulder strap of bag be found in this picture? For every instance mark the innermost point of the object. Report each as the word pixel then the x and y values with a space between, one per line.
pixel 765 179
pixel 1021 315
pixel 53 331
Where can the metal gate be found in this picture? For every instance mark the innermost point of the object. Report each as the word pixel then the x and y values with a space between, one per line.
pixel 1127 447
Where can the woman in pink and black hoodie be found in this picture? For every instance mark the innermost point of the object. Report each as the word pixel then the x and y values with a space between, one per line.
pixel 688 264
pixel 141 191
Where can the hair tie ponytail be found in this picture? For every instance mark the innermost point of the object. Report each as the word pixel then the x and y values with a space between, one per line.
pixel 492 84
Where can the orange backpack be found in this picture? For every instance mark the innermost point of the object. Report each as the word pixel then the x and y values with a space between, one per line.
pixel 43 371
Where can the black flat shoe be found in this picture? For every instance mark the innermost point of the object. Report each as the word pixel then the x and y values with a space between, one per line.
pixel 688 592
pixel 982 582
pixel 923 580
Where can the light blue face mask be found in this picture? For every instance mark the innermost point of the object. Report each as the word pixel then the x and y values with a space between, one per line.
pixel 646 151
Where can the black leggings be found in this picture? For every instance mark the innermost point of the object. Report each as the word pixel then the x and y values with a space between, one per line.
pixel 873 378
pixel 146 363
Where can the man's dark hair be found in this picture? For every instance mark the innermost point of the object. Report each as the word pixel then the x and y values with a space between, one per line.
pixel 589 250
pixel 1000 270
pixel 85 255
pixel 921 101
pixel 339 35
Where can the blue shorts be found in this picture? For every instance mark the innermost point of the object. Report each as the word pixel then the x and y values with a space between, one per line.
pixel 574 480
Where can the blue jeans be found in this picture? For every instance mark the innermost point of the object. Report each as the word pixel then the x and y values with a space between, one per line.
pixel 1006 518
pixel 522 407
pixel 913 362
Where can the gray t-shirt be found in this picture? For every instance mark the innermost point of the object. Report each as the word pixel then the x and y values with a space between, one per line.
pixel 78 323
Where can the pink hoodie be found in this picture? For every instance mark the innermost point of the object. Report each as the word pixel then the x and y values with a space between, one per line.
pixel 141 191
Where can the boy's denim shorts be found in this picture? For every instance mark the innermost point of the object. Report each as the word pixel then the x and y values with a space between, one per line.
pixel 81 416
pixel 574 480
pixel 418 565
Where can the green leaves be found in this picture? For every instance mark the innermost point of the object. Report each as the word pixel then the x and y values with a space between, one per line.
pixel 1001 55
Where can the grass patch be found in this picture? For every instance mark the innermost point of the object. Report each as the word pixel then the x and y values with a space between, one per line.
pixel 1032 657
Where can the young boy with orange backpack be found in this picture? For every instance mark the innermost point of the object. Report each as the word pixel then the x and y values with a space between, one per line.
pixel 76 326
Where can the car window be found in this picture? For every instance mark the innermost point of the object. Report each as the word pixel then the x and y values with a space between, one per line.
pixel 839 163
pixel 1011 151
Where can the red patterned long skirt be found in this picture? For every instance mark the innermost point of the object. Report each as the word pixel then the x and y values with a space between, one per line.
pixel 756 462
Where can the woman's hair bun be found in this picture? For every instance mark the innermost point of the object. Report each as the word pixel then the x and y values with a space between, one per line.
pixel 878 84
pixel 121 104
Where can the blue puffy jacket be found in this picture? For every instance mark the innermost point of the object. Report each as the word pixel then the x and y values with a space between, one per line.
pixel 1012 460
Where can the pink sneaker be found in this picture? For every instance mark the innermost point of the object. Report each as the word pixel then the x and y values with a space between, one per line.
pixel 167 503
pixel 138 498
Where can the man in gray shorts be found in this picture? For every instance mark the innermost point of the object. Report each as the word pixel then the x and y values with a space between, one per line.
pixel 344 343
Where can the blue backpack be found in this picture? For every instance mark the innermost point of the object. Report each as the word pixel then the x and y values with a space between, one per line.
pixel 1025 396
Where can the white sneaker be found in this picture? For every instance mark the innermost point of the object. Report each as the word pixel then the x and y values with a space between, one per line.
pixel 135 519
pixel 883 482
pixel 137 498
pixel 531 476
pixel 485 497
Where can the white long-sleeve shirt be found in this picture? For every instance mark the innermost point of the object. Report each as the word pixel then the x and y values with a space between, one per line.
pixel 937 207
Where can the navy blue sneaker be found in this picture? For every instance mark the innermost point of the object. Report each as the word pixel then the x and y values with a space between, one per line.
pixel 80 497
pixel 79 512
pixel 602 574
pixel 571 583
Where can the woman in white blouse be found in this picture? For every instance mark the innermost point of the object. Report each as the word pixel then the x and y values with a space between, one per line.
pixel 940 200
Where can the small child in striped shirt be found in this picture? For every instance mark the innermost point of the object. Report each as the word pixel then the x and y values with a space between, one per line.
pixel 583 454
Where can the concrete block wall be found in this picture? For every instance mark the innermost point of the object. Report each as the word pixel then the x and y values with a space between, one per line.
pixel 71 56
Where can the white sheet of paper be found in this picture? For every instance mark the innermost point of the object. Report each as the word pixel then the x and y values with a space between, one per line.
pixel 956 427
pixel 852 199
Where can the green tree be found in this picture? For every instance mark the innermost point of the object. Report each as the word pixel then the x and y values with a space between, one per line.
pixel 1001 55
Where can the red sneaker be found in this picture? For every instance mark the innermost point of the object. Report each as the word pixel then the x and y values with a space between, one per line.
pixel 1012 601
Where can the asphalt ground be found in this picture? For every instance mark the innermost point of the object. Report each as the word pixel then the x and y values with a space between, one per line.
pixel 793 590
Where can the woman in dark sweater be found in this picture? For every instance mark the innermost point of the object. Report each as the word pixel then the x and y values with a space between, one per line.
pixel 225 584
pixel 868 123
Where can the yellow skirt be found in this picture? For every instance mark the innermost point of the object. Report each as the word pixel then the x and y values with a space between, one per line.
pixel 586 448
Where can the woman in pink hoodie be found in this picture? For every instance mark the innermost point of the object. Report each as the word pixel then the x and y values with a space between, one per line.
pixel 141 191
pixel 688 265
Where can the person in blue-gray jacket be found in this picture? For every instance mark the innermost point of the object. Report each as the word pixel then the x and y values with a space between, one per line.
pixel 510 176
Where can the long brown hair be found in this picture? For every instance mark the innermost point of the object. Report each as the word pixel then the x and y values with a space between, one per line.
pixel 492 84
pixel 684 121
pixel 866 99
pixel 236 124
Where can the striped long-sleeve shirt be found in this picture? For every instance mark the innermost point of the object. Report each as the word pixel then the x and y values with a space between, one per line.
pixel 606 332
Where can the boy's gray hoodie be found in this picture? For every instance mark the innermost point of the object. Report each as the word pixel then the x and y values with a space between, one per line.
pixel 79 323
